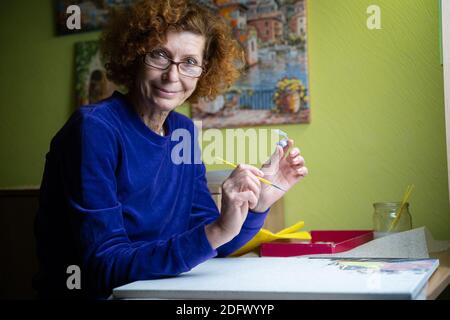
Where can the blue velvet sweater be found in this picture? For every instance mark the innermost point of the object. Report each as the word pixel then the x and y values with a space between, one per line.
pixel 114 203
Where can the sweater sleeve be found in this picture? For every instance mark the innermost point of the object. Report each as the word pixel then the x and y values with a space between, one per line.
pixel 205 211
pixel 88 160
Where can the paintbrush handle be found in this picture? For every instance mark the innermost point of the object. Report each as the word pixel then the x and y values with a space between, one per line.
pixel 261 179
pixel 402 205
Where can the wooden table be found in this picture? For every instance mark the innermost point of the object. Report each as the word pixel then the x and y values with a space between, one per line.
pixel 441 278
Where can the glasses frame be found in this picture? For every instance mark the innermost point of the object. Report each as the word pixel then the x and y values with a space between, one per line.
pixel 171 62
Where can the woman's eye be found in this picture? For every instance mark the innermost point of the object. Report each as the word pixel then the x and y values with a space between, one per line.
pixel 191 61
pixel 159 54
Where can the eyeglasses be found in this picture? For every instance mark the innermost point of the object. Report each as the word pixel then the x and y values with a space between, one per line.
pixel 159 60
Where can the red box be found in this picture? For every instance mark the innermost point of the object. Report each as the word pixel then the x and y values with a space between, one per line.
pixel 322 241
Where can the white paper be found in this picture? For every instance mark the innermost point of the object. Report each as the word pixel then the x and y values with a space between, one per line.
pixel 412 244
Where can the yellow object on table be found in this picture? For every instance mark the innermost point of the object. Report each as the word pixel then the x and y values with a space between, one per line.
pixel 265 235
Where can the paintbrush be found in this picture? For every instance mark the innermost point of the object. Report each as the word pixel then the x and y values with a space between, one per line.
pixel 406 195
pixel 260 179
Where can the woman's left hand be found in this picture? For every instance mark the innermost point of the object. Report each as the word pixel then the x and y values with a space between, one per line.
pixel 284 171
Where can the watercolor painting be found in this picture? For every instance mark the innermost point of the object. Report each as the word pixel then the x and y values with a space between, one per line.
pixel 385 266
pixel 275 86
pixel 94 14
pixel 91 84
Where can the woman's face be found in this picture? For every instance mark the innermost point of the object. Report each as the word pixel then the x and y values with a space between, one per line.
pixel 167 89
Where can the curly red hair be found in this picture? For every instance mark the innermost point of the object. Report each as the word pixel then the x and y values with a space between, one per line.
pixel 133 31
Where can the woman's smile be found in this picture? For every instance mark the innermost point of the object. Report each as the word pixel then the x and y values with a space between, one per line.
pixel 166 93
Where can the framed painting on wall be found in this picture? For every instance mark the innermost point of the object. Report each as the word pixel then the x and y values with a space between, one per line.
pixel 94 14
pixel 91 84
pixel 274 88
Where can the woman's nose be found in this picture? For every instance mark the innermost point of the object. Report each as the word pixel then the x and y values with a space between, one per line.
pixel 172 74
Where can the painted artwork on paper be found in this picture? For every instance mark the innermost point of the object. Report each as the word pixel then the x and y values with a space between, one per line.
pixel 274 88
pixel 386 266
pixel 91 84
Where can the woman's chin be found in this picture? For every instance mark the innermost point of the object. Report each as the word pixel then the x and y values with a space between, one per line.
pixel 167 104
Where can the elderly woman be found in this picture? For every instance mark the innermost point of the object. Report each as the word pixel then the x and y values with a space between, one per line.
pixel 113 202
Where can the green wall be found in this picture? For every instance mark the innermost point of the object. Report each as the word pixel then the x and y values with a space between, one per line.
pixel 377 109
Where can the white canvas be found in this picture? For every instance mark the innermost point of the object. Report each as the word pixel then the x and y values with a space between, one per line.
pixel 290 278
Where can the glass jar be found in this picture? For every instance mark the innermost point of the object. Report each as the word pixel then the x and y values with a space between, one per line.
pixel 385 214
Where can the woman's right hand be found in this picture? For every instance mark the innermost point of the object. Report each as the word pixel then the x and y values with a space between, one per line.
pixel 240 192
